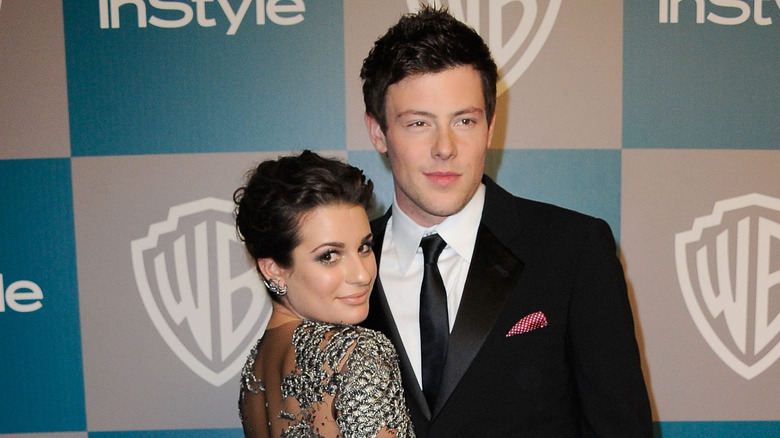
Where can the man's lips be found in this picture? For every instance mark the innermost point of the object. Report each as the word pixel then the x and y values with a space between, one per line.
pixel 442 178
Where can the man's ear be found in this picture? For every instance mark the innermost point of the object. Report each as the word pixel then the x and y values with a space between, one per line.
pixel 269 268
pixel 490 129
pixel 378 138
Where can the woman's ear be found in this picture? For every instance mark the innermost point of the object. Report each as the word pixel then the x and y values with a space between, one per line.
pixel 269 268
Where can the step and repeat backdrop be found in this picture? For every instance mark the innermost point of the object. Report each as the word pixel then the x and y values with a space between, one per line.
pixel 127 305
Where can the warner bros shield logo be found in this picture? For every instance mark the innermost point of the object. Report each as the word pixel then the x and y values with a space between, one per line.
pixel 728 265
pixel 200 289
pixel 516 29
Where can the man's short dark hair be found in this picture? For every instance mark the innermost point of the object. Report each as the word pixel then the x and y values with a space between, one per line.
pixel 429 41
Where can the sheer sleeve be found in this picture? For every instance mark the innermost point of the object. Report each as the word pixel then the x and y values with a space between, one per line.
pixel 370 400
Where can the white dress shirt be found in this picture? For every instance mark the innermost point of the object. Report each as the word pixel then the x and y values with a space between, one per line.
pixel 401 267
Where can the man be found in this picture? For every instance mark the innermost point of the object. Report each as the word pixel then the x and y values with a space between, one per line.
pixel 538 337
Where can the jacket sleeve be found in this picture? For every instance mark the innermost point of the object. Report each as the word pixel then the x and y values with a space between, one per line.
pixel 602 344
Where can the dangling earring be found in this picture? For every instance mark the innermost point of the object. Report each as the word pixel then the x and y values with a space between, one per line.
pixel 273 286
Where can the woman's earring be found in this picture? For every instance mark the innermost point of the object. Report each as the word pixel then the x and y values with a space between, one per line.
pixel 273 286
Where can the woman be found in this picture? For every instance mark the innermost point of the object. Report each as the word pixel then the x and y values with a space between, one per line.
pixel 313 373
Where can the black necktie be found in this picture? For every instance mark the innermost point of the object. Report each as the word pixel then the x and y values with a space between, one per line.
pixel 434 324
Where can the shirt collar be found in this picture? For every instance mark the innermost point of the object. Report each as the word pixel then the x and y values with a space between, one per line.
pixel 458 230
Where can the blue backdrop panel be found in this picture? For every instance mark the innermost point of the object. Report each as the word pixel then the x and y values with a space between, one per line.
pixel 701 85
pixel 376 167
pixel 717 429
pixel 587 181
pixel 197 87
pixel 41 382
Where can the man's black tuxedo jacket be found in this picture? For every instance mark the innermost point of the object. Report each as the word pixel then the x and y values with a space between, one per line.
pixel 579 376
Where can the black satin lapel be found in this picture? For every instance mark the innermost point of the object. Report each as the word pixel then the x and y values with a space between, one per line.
pixel 492 276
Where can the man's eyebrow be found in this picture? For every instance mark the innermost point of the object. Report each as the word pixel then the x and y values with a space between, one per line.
pixel 413 113
pixel 469 110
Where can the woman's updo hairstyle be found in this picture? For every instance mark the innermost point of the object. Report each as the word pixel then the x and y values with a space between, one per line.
pixel 279 192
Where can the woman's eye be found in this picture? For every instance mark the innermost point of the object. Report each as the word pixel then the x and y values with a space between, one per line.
pixel 329 257
pixel 366 248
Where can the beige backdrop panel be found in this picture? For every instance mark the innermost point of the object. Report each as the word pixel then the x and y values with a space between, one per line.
pixel 663 192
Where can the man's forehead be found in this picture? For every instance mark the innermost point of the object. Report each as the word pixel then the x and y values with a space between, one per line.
pixel 454 90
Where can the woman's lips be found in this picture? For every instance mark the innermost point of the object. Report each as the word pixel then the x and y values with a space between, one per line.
pixel 356 299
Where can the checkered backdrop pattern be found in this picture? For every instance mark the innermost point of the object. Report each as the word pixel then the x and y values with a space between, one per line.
pixel 128 306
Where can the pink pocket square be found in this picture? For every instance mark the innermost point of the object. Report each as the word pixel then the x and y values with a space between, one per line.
pixel 529 322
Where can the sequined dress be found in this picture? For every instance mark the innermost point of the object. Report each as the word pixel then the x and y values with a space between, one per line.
pixel 317 379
